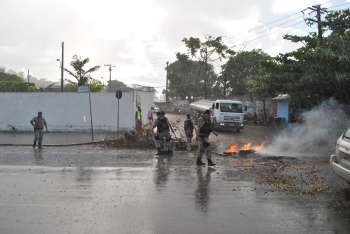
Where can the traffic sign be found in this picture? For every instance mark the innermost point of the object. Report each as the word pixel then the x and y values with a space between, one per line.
pixel 118 94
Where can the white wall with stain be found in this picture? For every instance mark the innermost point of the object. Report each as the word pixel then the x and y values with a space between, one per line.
pixel 70 111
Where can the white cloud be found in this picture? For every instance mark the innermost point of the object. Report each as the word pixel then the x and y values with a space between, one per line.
pixel 136 36
pixel 283 6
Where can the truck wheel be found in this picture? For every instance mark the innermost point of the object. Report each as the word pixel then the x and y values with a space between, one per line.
pixel 238 130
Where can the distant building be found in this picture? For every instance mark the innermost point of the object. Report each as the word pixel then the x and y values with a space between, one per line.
pixel 280 107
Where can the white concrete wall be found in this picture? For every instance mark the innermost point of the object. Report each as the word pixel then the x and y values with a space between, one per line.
pixel 70 111
pixel 146 100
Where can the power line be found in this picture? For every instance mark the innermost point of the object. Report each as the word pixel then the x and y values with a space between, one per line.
pixel 280 22
pixel 261 31
pixel 336 6
pixel 248 41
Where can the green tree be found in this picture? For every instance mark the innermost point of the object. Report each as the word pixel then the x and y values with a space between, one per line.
pixel 187 77
pixel 209 50
pixel 235 72
pixel 96 85
pixel 81 74
pixel 314 72
pixel 115 85
pixel 14 83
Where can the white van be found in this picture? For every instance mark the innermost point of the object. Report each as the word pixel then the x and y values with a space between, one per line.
pixel 228 114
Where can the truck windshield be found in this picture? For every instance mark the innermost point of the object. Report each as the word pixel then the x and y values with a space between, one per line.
pixel 231 107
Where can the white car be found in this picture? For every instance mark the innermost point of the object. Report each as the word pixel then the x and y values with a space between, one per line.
pixel 340 161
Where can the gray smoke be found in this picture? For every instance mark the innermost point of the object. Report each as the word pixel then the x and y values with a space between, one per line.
pixel 315 137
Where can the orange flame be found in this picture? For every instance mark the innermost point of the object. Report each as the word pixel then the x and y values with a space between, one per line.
pixel 232 149
pixel 248 147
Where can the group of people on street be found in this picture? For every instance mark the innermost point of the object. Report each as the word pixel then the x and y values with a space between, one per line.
pixel 203 130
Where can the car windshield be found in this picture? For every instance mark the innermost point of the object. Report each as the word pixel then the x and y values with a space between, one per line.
pixel 231 107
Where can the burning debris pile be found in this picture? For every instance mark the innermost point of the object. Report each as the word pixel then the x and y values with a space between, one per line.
pixel 246 148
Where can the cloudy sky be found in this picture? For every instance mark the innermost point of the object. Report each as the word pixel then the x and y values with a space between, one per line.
pixel 139 36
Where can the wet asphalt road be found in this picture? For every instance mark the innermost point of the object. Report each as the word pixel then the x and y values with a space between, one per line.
pixel 97 190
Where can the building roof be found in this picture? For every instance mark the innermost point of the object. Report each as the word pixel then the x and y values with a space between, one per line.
pixel 228 101
pixel 281 97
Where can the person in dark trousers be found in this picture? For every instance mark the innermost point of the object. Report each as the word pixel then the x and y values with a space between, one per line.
pixel 163 128
pixel 38 124
pixel 203 131
pixel 188 127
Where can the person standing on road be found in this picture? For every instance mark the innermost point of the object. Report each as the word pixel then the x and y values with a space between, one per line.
pixel 202 132
pixel 38 124
pixel 163 129
pixel 188 127
pixel 138 120
pixel 150 116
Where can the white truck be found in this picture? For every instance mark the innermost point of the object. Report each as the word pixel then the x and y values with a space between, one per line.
pixel 226 114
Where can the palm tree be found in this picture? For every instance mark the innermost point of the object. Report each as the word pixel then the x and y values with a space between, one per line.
pixel 80 74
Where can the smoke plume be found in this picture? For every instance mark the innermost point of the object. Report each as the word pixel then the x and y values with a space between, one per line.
pixel 315 137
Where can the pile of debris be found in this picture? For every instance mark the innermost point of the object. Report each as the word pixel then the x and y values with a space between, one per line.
pixel 130 139
pixel 290 175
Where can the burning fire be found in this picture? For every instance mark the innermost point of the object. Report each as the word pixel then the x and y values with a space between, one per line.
pixel 232 149
pixel 248 147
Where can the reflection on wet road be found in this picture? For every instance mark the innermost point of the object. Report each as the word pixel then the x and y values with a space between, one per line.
pixel 89 190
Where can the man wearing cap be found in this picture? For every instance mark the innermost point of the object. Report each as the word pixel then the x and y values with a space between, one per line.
pixel 38 124
pixel 203 131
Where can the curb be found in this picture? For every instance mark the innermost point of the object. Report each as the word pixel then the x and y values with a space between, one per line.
pixel 56 145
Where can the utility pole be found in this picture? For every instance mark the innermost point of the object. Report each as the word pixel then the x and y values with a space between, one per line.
pixel 167 82
pixel 319 11
pixel 110 74
pixel 62 65
pixel 28 76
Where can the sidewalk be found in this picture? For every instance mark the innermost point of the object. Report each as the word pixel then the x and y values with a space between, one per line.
pixel 51 138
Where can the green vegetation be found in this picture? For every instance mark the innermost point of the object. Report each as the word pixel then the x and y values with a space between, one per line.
pixel 317 71
pixel 14 83
pixel 96 85
pixel 79 73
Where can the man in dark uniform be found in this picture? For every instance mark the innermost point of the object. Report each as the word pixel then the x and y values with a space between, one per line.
pixel 203 131
pixel 188 127
pixel 163 128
